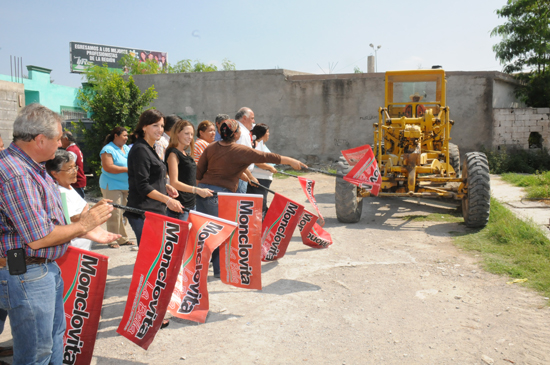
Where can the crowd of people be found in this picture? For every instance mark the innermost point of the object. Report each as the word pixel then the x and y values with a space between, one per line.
pixel 164 171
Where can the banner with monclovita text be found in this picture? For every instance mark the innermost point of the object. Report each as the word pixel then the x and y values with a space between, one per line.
pixel 364 173
pixel 307 186
pixel 241 253
pixel 313 235
pixel 163 242
pixel 84 275
pixel 190 295
pixel 278 226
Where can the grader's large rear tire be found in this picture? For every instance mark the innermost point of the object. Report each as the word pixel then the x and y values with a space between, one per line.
pixel 348 206
pixel 476 204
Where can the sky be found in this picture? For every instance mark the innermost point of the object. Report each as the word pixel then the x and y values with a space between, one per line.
pixel 301 35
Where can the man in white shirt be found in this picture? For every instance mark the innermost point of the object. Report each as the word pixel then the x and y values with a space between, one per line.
pixel 245 117
pixel 162 144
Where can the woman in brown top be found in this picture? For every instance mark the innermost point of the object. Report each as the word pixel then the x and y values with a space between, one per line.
pixel 223 163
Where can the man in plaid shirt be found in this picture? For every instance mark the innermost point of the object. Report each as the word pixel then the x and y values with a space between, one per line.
pixel 31 218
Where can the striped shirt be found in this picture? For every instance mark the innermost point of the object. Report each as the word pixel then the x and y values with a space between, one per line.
pixel 200 145
pixel 30 204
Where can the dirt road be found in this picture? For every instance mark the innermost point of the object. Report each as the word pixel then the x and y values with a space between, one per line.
pixel 388 291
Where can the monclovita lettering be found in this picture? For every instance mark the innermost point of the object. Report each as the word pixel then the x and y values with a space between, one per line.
pixel 245 211
pixel 318 240
pixel 73 347
pixel 171 238
pixel 306 218
pixel 192 296
pixel 290 211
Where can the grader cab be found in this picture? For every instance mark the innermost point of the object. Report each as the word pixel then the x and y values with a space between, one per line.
pixel 414 154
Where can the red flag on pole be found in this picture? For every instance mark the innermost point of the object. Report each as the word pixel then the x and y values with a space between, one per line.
pixel 163 242
pixel 307 186
pixel 84 274
pixel 278 226
pixel 365 173
pixel 190 296
pixel 240 255
pixel 313 235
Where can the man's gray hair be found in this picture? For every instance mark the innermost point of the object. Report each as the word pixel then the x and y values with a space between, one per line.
pixel 35 119
pixel 242 112
pixel 60 159
pixel 221 117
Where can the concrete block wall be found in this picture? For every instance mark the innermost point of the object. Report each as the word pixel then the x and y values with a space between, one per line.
pixel 512 127
pixel 12 100
pixel 314 117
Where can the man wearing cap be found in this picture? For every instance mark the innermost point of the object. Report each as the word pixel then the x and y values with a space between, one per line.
pixel 33 234
pixel 420 109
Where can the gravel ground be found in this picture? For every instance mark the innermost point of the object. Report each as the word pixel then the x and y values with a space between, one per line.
pixel 388 291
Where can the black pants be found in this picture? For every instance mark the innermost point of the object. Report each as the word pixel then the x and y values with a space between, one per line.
pixel 258 190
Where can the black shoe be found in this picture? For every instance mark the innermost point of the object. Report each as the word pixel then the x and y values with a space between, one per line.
pixel 217 275
pixel 165 323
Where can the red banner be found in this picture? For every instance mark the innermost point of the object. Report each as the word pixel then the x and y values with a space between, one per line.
pixel 163 241
pixel 278 226
pixel 313 235
pixel 307 186
pixel 365 173
pixel 190 296
pixel 84 274
pixel 241 254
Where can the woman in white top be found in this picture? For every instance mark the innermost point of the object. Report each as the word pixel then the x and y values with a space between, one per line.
pixel 63 169
pixel 260 136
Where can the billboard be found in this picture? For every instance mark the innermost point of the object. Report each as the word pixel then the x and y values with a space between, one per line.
pixel 83 54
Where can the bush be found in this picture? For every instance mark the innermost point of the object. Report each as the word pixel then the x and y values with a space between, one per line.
pixel 520 161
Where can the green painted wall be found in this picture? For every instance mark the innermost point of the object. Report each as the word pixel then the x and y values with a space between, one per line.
pixel 38 88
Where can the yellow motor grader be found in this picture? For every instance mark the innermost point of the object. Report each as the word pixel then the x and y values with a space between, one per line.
pixel 414 154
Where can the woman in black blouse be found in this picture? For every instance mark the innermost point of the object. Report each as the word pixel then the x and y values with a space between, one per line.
pixel 182 168
pixel 147 173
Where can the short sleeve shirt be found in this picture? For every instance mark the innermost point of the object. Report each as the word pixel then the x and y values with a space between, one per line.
pixel 111 181
pixel 30 204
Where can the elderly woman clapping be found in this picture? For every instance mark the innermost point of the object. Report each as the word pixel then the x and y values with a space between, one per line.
pixel 64 170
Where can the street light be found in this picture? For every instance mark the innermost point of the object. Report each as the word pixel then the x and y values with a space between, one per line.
pixel 375 56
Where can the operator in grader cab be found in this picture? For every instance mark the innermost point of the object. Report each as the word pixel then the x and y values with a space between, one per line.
pixel 420 109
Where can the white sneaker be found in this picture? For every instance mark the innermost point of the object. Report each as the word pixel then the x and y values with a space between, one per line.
pixel 135 248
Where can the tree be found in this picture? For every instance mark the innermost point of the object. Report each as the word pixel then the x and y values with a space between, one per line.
pixel 112 101
pixel 525 48
pixel 357 70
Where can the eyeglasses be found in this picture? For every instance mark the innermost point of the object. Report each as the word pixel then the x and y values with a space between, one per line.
pixel 72 169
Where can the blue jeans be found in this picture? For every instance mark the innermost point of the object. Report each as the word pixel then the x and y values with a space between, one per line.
pixel 210 206
pixel 181 216
pixel 34 302
pixel 137 226
pixel 243 185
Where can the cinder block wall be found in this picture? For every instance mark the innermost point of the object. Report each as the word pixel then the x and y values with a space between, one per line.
pixel 512 127
pixel 12 100
pixel 314 117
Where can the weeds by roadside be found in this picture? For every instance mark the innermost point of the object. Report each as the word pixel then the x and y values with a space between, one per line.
pixel 522 161
pixel 537 185
pixel 511 246
pixel 507 245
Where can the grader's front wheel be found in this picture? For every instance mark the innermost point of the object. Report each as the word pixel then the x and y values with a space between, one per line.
pixel 476 204
pixel 348 206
